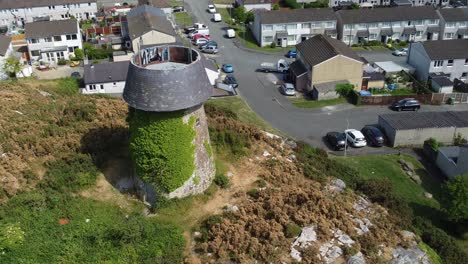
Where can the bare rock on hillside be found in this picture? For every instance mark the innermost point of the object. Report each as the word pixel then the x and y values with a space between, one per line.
pixel 412 255
pixel 357 259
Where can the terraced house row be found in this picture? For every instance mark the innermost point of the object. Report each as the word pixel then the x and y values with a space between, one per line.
pixel 423 23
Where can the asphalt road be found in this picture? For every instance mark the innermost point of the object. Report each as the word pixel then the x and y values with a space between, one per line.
pixel 263 96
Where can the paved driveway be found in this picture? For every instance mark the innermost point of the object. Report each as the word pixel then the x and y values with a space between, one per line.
pixel 384 55
pixel 263 97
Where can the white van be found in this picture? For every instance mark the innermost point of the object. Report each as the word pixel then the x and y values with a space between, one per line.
pixel 217 17
pixel 205 32
pixel 230 33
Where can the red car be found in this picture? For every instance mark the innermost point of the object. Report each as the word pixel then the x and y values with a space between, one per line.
pixel 197 36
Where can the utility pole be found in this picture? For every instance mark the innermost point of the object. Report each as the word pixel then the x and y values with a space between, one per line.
pixel 346 138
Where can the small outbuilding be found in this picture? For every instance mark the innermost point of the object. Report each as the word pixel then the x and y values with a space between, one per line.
pixel 453 160
pixel 441 83
pixel 105 78
pixel 413 128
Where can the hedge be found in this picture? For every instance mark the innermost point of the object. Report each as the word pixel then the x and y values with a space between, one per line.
pixel 161 148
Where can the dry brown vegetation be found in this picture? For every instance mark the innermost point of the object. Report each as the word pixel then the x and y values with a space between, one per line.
pixel 36 128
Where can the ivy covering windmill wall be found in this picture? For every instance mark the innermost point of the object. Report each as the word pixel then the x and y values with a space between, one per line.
pixel 161 148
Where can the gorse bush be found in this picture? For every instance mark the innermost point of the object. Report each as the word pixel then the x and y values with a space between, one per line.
pixel 221 180
pixel 293 230
pixel 161 148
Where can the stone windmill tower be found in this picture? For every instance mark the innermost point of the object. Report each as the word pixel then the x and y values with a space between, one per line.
pixel 169 142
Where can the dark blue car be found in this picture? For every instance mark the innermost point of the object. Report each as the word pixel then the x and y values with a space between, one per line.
pixel 291 54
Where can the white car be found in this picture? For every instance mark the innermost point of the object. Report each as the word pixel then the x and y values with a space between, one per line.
pixel 211 9
pixel 400 52
pixel 288 89
pixel 355 138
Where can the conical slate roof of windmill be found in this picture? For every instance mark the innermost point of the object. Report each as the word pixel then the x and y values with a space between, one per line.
pixel 167 78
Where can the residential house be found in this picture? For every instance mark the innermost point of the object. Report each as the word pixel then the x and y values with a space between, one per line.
pixel 50 41
pixel 321 63
pixel 453 160
pixel 361 3
pixel 6 50
pixel 16 13
pixel 105 78
pixel 289 27
pixel 385 24
pixel 161 4
pixel 254 4
pixel 448 57
pixel 416 127
pixel 148 26
pixel 454 23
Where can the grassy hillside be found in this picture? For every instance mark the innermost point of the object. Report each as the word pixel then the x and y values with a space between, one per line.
pixel 57 206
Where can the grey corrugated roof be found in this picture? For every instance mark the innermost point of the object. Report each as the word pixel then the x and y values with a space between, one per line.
pixel 105 72
pixel 454 14
pixel 328 86
pixel 418 120
pixel 145 18
pixel 297 15
pixel 320 48
pixel 4 44
pixel 442 81
pixel 446 49
pixel 4 4
pixel 252 2
pixel 366 15
pixel 44 29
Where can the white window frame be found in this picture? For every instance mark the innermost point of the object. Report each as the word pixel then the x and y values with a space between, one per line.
pixel 450 63
pixel 264 27
pixel 438 63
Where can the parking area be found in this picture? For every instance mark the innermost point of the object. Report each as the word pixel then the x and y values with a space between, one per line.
pixel 58 72
pixel 381 55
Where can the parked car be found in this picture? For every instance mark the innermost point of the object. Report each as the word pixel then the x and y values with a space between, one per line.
pixel 75 75
pixel 228 68
pixel 197 36
pixel 200 41
pixel 210 49
pixel 373 135
pixel 288 89
pixel 406 104
pixel 211 43
pixel 230 79
pixel 291 54
pixel 355 138
pixel 217 17
pixel 199 31
pixel 400 52
pixel 336 140
pixel 211 9
pixel 176 9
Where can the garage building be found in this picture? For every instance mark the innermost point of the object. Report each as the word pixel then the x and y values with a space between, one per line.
pixel 406 129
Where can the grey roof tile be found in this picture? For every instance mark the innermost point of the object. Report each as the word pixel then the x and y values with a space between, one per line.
pixel 418 120
pixel 4 4
pixel 105 72
pixel 320 48
pixel 145 18
pixel 365 15
pixel 297 15
pixel 446 49
pixel 454 14
pixel 44 29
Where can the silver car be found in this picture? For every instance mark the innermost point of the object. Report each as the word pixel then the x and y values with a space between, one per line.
pixel 210 49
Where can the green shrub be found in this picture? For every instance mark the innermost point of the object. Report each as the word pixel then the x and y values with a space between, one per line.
pixel 62 62
pixel 261 183
pixel 78 54
pixel 273 45
pixel 254 193
pixel 235 144
pixel 293 230
pixel 344 90
pixel 275 7
pixel 222 181
pixel 459 140
pixel 432 142
pixel 292 4
pixel 70 173
pixel 68 86
pixel 161 148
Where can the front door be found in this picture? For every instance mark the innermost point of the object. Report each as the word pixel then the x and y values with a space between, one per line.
pixel 429 36
pixel 411 37
pixel 284 42
pixel 383 39
pixel 365 83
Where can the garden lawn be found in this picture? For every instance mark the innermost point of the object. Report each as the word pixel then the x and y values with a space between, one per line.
pixel 243 111
pixel 387 166
pixel 183 19
pixel 304 103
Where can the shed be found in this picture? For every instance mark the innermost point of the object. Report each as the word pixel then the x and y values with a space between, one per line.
pixel 406 129
pixel 441 83
pixel 453 160
pixel 392 67
pixel 324 91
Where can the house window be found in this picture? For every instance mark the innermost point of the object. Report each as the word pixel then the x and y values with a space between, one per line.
pixel 372 36
pixel 464 76
pixel 316 25
pixel 396 24
pixel 348 26
pixel 89 4
pixel 418 23
pixel 450 25
pixel 57 38
pixel 386 24
pixel 432 21
pixel 463 24
pixel 102 86
pixel 292 38
pixel 280 27
pixel 466 61
pixel 419 33
pixel 35 53
pixel 74 36
pixel 449 35
pixel 68 37
pixel 373 25
pixel 305 25
pixel 268 27
pixel 330 25
pixel 292 26
pixel 363 25
pixel 70 49
pixel 48 39
pixel 438 63
pixel 268 39
pixel 114 84
pixel 92 87
pixel 450 63
pixel 33 41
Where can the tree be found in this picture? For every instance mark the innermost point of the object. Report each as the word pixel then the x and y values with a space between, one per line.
pixel 456 198
pixel 292 4
pixel 78 54
pixel 354 6
pixel 239 14
pixel 275 7
pixel 250 17
pixel 12 66
pixel 344 90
